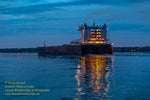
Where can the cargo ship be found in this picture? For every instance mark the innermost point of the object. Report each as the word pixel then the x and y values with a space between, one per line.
pixel 94 40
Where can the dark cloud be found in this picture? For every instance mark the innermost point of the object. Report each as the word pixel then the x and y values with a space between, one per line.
pixel 35 8
pixel 137 1
pixel 27 9
pixel 38 8
pixel 27 20
pixel 131 27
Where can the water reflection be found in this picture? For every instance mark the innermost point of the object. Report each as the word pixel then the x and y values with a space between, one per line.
pixel 92 77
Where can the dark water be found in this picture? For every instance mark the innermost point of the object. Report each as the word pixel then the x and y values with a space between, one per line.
pixel 121 76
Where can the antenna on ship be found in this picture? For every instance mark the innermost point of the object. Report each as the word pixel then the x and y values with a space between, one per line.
pixel 107 34
pixel 94 23
pixel 44 44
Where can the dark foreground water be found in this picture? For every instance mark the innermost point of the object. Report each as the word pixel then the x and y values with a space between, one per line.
pixel 121 76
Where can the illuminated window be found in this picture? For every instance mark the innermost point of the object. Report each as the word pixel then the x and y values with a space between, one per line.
pixel 92 35
pixel 98 33
pixel 92 32
pixel 98 30
pixel 98 36
pixel 92 29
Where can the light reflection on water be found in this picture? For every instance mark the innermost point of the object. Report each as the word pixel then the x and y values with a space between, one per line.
pixel 92 77
pixel 121 76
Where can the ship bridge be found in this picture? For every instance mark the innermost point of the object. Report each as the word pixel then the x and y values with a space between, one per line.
pixel 93 34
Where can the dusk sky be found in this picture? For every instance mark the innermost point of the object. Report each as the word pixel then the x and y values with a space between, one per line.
pixel 28 23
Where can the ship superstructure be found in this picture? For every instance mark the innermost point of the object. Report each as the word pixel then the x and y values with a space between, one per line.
pixel 93 34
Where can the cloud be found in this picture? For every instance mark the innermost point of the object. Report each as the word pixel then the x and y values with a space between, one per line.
pixel 137 1
pixel 18 7
pixel 38 6
pixel 27 9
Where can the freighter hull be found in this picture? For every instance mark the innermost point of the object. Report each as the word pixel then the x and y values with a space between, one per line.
pixel 82 49
pixel 96 49
pixel 61 50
